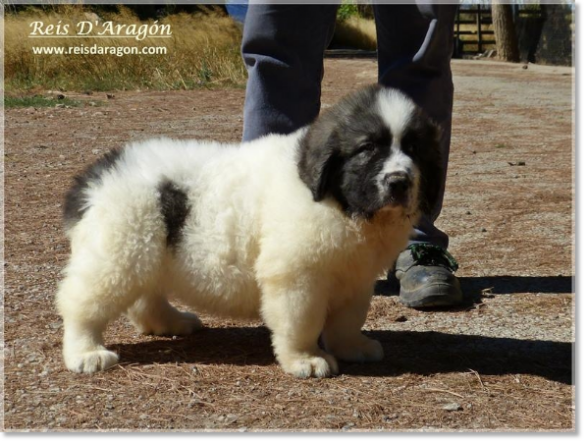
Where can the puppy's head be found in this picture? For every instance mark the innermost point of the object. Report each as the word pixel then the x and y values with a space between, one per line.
pixel 374 151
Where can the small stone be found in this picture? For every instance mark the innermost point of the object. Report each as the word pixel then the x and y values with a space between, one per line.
pixel 348 426
pixel 483 230
pixel 452 407
pixel 231 418
pixel 390 418
pixel 517 163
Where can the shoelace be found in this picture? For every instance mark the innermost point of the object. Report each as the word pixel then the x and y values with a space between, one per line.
pixel 426 254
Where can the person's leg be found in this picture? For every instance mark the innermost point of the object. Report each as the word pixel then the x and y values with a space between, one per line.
pixel 282 48
pixel 415 46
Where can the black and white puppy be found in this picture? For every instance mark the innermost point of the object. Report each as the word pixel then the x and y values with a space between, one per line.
pixel 293 229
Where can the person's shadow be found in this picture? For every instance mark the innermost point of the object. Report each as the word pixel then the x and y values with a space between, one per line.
pixel 476 288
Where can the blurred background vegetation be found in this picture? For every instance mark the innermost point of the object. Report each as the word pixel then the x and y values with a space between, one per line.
pixel 204 50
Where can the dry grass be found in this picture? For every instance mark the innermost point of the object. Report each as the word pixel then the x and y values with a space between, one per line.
pixel 203 51
pixel 356 32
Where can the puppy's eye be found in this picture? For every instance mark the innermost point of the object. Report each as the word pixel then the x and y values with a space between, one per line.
pixel 410 148
pixel 366 147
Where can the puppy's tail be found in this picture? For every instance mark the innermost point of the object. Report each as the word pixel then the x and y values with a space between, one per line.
pixel 76 202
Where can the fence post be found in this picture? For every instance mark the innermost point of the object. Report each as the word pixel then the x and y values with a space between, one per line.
pixel 479 27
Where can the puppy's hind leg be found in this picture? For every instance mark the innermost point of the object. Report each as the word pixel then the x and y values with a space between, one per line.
pixel 117 252
pixel 155 315
pixel 85 310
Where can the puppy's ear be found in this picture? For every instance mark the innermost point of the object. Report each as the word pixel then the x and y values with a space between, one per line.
pixel 432 169
pixel 319 157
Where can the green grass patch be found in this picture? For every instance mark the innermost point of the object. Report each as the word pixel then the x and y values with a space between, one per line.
pixel 37 101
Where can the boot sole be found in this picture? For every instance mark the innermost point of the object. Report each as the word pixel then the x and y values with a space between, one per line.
pixel 435 297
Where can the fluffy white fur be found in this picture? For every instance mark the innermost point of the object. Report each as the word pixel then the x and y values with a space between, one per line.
pixel 255 244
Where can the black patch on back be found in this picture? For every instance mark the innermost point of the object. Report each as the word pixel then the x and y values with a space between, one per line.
pixel 175 209
pixel 74 206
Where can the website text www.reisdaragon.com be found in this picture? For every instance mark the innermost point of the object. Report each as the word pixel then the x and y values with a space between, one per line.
pixel 96 49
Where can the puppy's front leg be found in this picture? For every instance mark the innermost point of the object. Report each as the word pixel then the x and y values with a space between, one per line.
pixel 296 315
pixel 342 334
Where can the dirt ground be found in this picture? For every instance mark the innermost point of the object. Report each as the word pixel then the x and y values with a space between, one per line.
pixel 503 362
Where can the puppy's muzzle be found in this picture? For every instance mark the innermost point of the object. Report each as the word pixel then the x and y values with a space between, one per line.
pixel 398 185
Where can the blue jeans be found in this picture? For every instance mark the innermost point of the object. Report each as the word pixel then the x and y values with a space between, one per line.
pixel 283 48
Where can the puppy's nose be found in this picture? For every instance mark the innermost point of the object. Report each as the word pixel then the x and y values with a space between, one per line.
pixel 398 183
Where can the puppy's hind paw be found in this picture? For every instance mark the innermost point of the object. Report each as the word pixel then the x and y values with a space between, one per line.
pixel 168 322
pixel 362 350
pixel 92 361
pixel 179 323
pixel 305 365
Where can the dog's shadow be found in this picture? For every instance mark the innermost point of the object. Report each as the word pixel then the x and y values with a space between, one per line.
pixel 422 353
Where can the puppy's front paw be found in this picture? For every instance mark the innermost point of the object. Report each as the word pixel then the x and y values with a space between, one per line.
pixel 306 365
pixel 91 361
pixel 363 349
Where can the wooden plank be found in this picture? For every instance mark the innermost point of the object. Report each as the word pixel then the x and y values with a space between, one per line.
pixel 474 41
pixel 476 33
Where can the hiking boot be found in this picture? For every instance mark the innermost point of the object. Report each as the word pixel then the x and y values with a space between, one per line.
pixel 425 274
